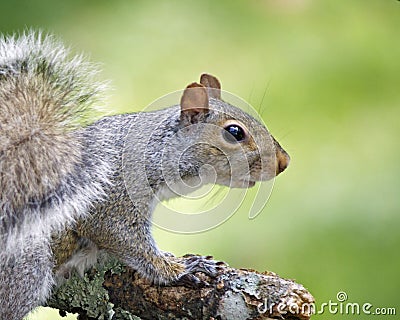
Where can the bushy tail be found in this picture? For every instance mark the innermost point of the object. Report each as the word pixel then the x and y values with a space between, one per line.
pixel 45 96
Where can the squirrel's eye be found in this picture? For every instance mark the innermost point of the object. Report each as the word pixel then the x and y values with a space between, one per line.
pixel 233 133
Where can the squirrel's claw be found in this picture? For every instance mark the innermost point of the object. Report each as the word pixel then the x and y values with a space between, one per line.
pixel 203 264
pixel 193 264
pixel 189 280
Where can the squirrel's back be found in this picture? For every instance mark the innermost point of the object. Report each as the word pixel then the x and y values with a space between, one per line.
pixel 45 96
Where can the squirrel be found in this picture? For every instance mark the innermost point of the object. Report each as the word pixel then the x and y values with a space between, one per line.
pixel 70 188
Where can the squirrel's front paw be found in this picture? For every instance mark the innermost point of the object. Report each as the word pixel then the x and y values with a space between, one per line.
pixel 204 264
pixel 170 270
pixel 193 264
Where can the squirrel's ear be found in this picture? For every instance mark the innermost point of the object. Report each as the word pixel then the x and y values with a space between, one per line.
pixel 213 85
pixel 194 103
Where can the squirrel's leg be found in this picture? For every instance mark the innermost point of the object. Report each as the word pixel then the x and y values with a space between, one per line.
pixel 129 238
pixel 142 254
pixel 72 253
pixel 25 279
pixel 165 268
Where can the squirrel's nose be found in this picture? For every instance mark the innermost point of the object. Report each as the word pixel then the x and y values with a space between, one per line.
pixel 282 159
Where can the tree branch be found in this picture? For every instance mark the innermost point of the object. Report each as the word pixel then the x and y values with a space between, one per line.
pixel 113 291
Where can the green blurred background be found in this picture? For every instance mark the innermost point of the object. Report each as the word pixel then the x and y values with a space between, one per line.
pixel 327 77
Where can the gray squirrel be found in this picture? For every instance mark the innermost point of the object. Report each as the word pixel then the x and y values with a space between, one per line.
pixel 66 188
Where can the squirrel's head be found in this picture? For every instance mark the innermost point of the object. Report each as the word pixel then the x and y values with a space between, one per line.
pixel 231 147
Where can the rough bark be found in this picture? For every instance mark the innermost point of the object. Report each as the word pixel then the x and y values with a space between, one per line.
pixel 113 291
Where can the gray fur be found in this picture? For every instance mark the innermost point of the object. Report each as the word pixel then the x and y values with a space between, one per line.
pixel 46 181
